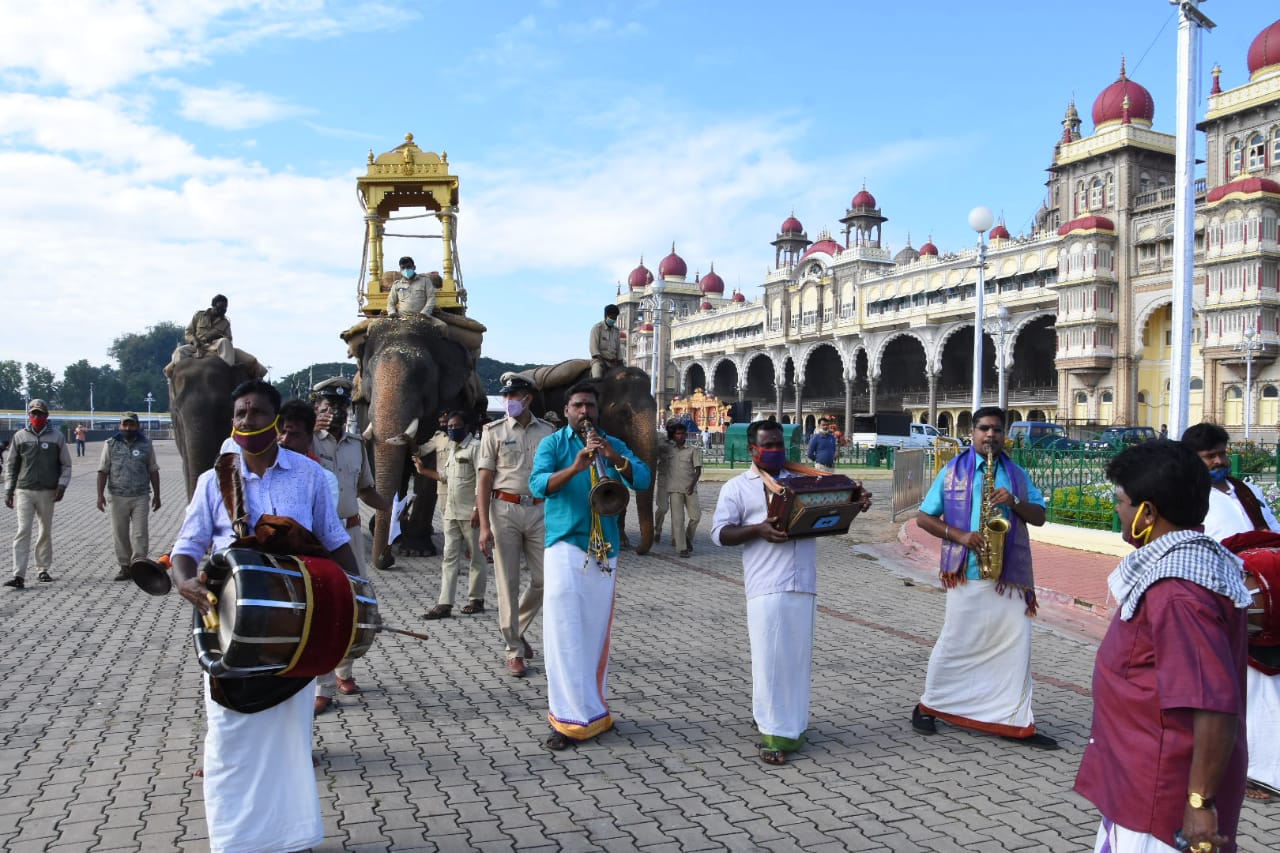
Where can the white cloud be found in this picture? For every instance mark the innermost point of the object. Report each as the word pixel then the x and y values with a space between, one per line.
pixel 233 108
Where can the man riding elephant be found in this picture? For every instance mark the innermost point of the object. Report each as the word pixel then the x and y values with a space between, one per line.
pixel 209 333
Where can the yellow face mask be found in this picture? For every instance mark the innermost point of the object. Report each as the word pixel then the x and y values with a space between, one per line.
pixel 259 441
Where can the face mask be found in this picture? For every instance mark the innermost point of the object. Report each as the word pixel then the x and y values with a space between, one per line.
pixel 771 460
pixel 1135 537
pixel 611 323
pixel 258 441
pixel 515 408
pixel 130 435
pixel 408 272
pixel 1219 475
pixel 458 434
pixel 38 422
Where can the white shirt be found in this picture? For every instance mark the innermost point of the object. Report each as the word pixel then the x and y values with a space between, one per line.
pixel 767 567
pixel 293 486
pixel 1227 517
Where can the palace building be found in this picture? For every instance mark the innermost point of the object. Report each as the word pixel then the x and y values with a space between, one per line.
pixel 1078 311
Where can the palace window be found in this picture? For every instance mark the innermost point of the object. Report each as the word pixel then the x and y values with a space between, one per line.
pixel 1082 198
pixel 1142 398
pixel 1234 154
pixel 1270 392
pixel 1109 197
pixel 1257 152
pixel 1144 182
pixel 1275 146
pixel 1196 384
pixel 1095 194
pixel 1108 397
pixel 1081 398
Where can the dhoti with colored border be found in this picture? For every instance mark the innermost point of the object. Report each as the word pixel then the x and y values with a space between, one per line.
pixel 781 629
pixel 577 603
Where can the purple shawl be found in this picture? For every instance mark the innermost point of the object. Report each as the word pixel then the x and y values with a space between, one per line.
pixel 957 501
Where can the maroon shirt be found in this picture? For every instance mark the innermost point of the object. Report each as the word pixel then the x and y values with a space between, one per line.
pixel 1185 648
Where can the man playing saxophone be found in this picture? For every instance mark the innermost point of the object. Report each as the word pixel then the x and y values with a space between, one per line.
pixel 980 670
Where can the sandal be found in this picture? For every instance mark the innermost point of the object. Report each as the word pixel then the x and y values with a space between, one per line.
pixel 557 742
pixel 475 605
pixel 773 756
pixel 440 611
pixel 44 577
pixel 1257 793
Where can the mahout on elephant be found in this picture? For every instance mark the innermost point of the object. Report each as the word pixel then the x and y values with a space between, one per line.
pixel 200 405
pixel 627 411
pixel 409 371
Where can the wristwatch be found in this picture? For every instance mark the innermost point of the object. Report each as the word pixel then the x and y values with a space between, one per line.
pixel 1199 801
pixel 1016 500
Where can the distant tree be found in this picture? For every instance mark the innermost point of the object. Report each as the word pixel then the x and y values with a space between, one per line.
pixel 85 386
pixel 300 382
pixel 11 384
pixel 40 383
pixel 142 358
pixel 491 372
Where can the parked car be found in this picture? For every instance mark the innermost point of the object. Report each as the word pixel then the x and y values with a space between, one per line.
pixel 1041 435
pixel 1119 437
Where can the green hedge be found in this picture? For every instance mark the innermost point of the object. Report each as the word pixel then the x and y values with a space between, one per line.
pixel 1091 506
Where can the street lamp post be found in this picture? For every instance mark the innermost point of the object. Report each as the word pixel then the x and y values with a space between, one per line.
pixel 91 405
pixel 980 219
pixel 1248 346
pixel 149 400
pixel 1001 328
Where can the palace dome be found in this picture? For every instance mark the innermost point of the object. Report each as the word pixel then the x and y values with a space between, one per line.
pixel 999 232
pixel 1087 223
pixel 645 327
pixel 1264 52
pixel 712 282
pixel 1109 107
pixel 673 265
pixel 863 199
pixel 826 244
pixel 791 225
pixel 738 297
pixel 929 249
pixel 1251 185
pixel 640 277
pixel 906 255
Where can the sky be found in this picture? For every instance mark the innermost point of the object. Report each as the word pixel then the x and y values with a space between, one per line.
pixel 153 154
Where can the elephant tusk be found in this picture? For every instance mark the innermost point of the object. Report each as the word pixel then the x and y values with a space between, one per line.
pixel 368 431
pixel 406 437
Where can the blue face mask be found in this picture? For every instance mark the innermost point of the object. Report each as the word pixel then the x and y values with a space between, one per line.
pixel 457 434
pixel 771 460
pixel 408 272
pixel 610 323
pixel 1219 475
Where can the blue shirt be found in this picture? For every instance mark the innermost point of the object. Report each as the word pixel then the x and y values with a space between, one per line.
pixel 932 503
pixel 568 511
pixel 822 448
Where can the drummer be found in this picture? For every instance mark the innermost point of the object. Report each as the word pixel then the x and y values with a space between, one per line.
pixel 259 786
pixel 1238 507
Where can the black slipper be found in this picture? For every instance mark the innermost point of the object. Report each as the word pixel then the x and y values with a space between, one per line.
pixel 925 724
pixel 773 756
pixel 557 742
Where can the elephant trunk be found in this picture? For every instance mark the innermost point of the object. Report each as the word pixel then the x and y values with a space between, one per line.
pixel 393 426
pixel 389 462
pixel 645 438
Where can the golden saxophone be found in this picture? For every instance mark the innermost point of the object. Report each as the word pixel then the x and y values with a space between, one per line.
pixel 993 526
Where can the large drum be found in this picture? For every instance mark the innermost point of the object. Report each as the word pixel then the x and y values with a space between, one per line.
pixel 289 616
pixel 1260 551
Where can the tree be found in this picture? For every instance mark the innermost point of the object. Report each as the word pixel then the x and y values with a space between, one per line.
pixel 491 371
pixel 11 385
pixel 40 383
pixel 142 358
pixel 300 383
pixel 86 387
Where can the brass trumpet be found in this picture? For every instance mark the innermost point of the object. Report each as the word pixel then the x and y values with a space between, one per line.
pixel 608 496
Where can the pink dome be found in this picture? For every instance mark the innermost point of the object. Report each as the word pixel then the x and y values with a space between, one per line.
pixel 706 306
pixel 1251 185
pixel 645 327
pixel 1109 107
pixel 791 226
pixel 640 277
pixel 1087 223
pixel 999 232
pixel 929 249
pixel 738 297
pixel 1265 50
pixel 712 282
pixel 863 199
pixel 673 265
pixel 831 247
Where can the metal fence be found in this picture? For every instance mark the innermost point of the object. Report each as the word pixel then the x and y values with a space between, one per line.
pixel 910 480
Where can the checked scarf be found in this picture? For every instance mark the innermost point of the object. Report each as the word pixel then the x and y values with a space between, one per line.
pixel 1186 554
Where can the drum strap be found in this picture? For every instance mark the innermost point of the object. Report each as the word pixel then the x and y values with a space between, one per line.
pixel 1249 501
pixel 273 534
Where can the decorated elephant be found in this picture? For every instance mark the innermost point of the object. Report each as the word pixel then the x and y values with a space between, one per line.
pixel 627 411
pixel 200 405
pixel 409 372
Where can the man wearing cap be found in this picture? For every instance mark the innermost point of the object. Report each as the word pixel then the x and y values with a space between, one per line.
pixel 605 343
pixel 342 453
pixel 209 333
pixel 511 521
pixel 127 468
pixel 37 476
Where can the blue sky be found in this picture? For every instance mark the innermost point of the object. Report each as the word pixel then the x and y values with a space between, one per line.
pixel 156 153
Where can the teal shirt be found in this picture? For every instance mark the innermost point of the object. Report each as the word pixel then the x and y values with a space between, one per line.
pixel 568 511
pixel 932 503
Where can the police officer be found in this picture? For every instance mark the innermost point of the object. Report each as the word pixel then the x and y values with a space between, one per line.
pixel 511 522
pixel 127 469
pixel 605 344
pixel 413 293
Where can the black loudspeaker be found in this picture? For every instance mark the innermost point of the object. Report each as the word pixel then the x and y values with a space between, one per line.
pixel 741 411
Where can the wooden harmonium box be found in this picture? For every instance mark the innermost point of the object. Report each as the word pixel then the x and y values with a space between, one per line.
pixel 815 506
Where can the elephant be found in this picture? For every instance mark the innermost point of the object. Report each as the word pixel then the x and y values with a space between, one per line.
pixel 627 411
pixel 200 405
pixel 410 371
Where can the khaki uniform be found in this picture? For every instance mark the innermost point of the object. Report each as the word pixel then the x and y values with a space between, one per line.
pixel 411 296
pixel 507 449
pixel 683 466
pixel 605 347
pixel 458 480
pixel 207 333
pixel 129 466
pixel 37 466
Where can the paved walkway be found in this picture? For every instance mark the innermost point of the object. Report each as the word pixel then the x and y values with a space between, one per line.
pixel 101 725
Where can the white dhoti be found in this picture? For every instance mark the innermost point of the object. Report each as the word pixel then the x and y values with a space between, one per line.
pixel 1113 838
pixel 781 629
pixel 980 668
pixel 1263 716
pixel 259 784
pixel 577 604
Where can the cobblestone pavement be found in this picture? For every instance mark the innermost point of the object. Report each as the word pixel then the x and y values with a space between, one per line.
pixel 101 726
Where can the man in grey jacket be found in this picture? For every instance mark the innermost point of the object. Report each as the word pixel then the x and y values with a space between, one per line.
pixel 37 476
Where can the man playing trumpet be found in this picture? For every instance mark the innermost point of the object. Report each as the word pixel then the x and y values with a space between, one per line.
pixel 980 670
pixel 570 470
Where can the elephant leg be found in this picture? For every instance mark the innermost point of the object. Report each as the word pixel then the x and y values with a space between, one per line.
pixel 419 528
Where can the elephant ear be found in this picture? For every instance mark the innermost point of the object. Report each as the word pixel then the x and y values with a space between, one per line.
pixel 456 369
